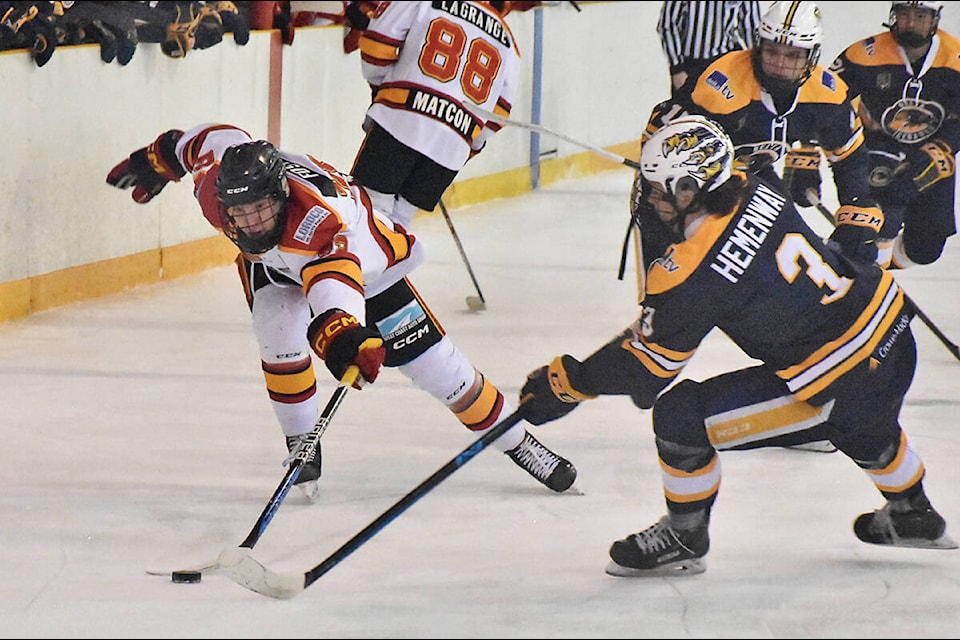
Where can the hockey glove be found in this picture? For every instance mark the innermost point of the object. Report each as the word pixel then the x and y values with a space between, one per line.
pixel 548 393
pixel 340 341
pixel 801 172
pixel 31 25
pixel 148 170
pixel 856 234
pixel 937 162
pixel 233 21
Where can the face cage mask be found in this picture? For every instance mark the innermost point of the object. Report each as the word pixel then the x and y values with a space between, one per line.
pixel 255 244
pixel 781 87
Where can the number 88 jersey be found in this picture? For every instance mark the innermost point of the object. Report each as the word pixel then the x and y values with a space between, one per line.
pixel 429 64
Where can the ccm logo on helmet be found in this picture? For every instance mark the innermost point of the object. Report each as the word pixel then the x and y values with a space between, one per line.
pixel 235 190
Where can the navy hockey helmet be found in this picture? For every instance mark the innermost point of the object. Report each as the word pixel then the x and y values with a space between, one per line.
pixel 250 173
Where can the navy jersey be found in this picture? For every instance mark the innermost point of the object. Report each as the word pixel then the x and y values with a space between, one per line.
pixel 729 93
pixel 769 282
pixel 899 105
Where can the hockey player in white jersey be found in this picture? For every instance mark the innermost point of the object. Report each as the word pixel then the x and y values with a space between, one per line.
pixel 429 65
pixel 326 274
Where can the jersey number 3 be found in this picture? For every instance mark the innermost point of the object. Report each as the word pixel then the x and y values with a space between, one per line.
pixel 446 47
pixel 795 249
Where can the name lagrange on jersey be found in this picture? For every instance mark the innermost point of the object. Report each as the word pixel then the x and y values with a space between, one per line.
pixel 469 12
pixel 748 234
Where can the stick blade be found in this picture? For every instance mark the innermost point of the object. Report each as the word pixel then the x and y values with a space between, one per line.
pixel 474 303
pixel 245 570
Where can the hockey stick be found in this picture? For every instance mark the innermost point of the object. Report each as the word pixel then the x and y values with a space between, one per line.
pixel 489 115
pixel 477 302
pixel 242 568
pixel 952 347
pixel 293 470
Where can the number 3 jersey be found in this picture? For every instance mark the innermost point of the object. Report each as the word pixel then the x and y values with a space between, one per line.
pixel 429 64
pixel 769 282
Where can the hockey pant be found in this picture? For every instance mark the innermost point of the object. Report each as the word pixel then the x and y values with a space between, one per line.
pixel 415 341
pixel 752 408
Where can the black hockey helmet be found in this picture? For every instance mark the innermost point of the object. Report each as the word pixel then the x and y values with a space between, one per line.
pixel 249 173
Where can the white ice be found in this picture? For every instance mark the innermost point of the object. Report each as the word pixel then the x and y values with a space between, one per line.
pixel 137 436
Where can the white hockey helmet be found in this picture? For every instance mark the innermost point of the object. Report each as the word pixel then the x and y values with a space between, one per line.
pixel 689 153
pixel 796 24
pixel 912 38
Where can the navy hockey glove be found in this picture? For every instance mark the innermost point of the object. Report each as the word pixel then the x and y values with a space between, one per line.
pixel 233 21
pixel 148 170
pixel 340 341
pixel 856 233
pixel 936 158
pixel 801 172
pixel 548 393
pixel 30 25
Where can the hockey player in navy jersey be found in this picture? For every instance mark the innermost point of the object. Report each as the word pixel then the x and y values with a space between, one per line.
pixel 908 83
pixel 782 109
pixel 325 274
pixel 830 328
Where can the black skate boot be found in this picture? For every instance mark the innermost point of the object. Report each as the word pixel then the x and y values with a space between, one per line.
pixel 660 551
pixel 311 468
pixel 919 528
pixel 543 464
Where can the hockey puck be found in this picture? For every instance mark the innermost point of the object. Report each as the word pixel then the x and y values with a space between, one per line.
pixel 185 576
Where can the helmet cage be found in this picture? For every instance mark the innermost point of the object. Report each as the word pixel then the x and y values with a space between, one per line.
pixel 908 38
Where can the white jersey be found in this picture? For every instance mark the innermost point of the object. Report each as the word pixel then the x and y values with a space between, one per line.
pixel 430 63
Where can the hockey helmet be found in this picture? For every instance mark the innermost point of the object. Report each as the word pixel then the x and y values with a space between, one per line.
pixel 250 173
pixel 689 153
pixel 913 38
pixel 796 24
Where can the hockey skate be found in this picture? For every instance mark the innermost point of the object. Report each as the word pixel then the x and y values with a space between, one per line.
pixel 310 471
pixel 921 528
pixel 659 551
pixel 554 472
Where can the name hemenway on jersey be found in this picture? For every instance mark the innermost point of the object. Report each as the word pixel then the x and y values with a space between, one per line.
pixel 748 234
pixel 472 14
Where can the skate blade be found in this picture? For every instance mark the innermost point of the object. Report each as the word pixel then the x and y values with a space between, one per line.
pixel 682 568
pixel 310 489
pixel 819 446
pixel 943 542
pixel 573 490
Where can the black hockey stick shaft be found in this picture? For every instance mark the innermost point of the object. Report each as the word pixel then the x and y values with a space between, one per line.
pixel 302 455
pixel 489 115
pixel 409 499
pixel 463 254
pixel 949 344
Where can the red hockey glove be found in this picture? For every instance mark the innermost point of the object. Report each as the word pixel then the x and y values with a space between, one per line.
pixel 856 233
pixel 937 162
pixel 548 394
pixel 801 171
pixel 148 170
pixel 340 341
